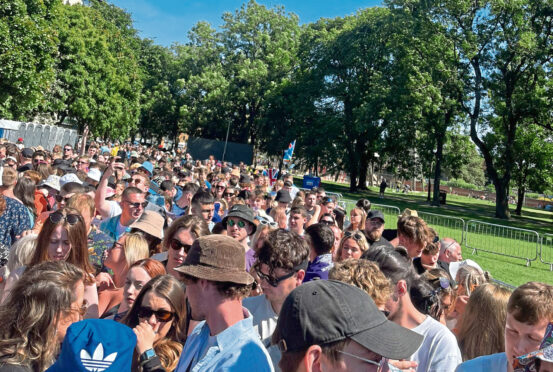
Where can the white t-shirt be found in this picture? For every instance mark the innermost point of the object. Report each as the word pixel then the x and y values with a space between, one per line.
pixel 264 317
pixel 487 363
pixel 114 209
pixel 439 351
pixel 264 321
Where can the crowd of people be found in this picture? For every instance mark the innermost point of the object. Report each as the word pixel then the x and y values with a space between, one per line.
pixel 131 258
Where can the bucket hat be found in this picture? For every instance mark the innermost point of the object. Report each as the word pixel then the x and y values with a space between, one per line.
pixel 527 363
pixel 52 181
pixel 218 258
pixel 283 196
pixel 241 211
pixel 151 223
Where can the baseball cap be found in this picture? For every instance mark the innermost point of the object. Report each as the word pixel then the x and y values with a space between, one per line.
pixel 375 214
pixel 321 312
pixel 27 152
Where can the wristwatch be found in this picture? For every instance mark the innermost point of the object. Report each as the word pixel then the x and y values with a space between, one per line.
pixel 147 355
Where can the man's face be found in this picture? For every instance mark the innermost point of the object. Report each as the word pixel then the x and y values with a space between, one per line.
pixel 321 195
pixel 206 211
pixel 374 228
pixel 296 222
pixel 238 228
pixel 310 201
pixel 67 152
pixel 194 293
pixel 284 287
pixel 522 338
pixel 11 163
pixel 429 259
pixel 133 205
pixel 92 151
pixel 38 160
pixel 138 180
pixel 287 188
pixel 450 251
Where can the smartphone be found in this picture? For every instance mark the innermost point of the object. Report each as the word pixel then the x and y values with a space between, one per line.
pixel 122 154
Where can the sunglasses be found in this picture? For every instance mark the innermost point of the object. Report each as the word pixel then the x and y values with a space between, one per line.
pixel 241 224
pixel 274 282
pixel 161 315
pixel 67 149
pixel 177 246
pixel 266 222
pixel 57 217
pixel 137 204
pixel 221 187
pixel 60 198
pixel 228 195
pixel 353 234
pixel 327 222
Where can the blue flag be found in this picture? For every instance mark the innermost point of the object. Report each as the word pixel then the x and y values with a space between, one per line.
pixel 289 152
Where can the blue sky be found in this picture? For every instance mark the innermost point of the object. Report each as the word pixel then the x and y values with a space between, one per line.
pixel 167 21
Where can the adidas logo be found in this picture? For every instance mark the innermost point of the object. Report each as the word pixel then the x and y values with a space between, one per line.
pixel 97 362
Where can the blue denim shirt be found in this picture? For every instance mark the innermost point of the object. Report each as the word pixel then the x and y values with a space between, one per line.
pixel 238 348
pixel 109 227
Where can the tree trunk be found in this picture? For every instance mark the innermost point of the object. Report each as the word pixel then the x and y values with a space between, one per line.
pixel 438 170
pixel 520 200
pixel 363 170
pixel 502 199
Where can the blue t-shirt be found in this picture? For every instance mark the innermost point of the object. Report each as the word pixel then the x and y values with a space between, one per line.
pixel 487 363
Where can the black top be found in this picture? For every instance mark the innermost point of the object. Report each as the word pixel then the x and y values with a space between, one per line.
pixel 389 234
pixel 420 269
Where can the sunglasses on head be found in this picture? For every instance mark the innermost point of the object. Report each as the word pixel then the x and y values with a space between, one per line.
pixel 137 204
pixel 177 246
pixel 57 217
pixel 353 234
pixel 161 315
pixel 241 224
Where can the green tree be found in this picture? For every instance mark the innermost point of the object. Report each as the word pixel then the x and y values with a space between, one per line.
pixel 98 80
pixel 507 46
pixel 27 48
pixel 533 169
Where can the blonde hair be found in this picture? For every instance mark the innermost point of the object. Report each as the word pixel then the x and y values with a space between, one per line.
pixel 470 278
pixel 363 274
pixel 361 242
pixel 169 352
pixel 136 248
pixel 363 214
pixel 9 177
pixel 482 326
pixel 21 253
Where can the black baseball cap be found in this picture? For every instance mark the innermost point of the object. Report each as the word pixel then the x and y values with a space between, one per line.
pixel 376 214
pixel 321 312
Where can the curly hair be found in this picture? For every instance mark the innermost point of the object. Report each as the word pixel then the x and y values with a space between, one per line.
pixel 283 249
pixel 32 311
pixel 363 274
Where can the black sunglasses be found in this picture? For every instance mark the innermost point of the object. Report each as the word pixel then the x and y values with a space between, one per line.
pixel 353 234
pixel 177 246
pixel 57 217
pixel 274 282
pixel 67 149
pixel 326 222
pixel 161 315
pixel 60 198
pixel 137 204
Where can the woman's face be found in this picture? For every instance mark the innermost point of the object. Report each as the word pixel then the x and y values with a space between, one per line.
pixel 73 314
pixel 59 246
pixel 355 217
pixel 350 249
pixel 413 249
pixel 137 277
pixel 156 303
pixel 183 241
pixel 116 254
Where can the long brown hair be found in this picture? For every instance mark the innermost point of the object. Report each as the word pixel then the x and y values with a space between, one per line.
pixel 482 327
pixel 78 254
pixel 171 290
pixel 198 227
pixel 31 313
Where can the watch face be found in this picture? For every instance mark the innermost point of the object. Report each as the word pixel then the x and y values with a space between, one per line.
pixel 148 354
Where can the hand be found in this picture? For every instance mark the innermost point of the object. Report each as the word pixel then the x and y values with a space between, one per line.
pixel 145 337
pixel 404 365
pixel 104 279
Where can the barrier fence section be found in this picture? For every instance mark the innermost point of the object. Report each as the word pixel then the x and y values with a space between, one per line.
pixel 445 226
pixel 390 213
pixel 546 250
pixel 506 241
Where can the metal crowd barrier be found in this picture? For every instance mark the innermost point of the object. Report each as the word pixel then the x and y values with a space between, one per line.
pixel 390 212
pixel 445 226
pixel 508 241
pixel 546 250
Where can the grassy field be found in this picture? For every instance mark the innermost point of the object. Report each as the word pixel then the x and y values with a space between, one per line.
pixel 480 235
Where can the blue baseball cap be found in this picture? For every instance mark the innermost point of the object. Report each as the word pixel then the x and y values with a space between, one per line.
pixel 96 345
pixel 148 166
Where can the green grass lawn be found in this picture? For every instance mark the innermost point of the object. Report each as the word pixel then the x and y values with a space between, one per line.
pixel 480 235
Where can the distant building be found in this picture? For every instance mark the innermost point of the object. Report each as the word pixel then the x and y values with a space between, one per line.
pixel 73 2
